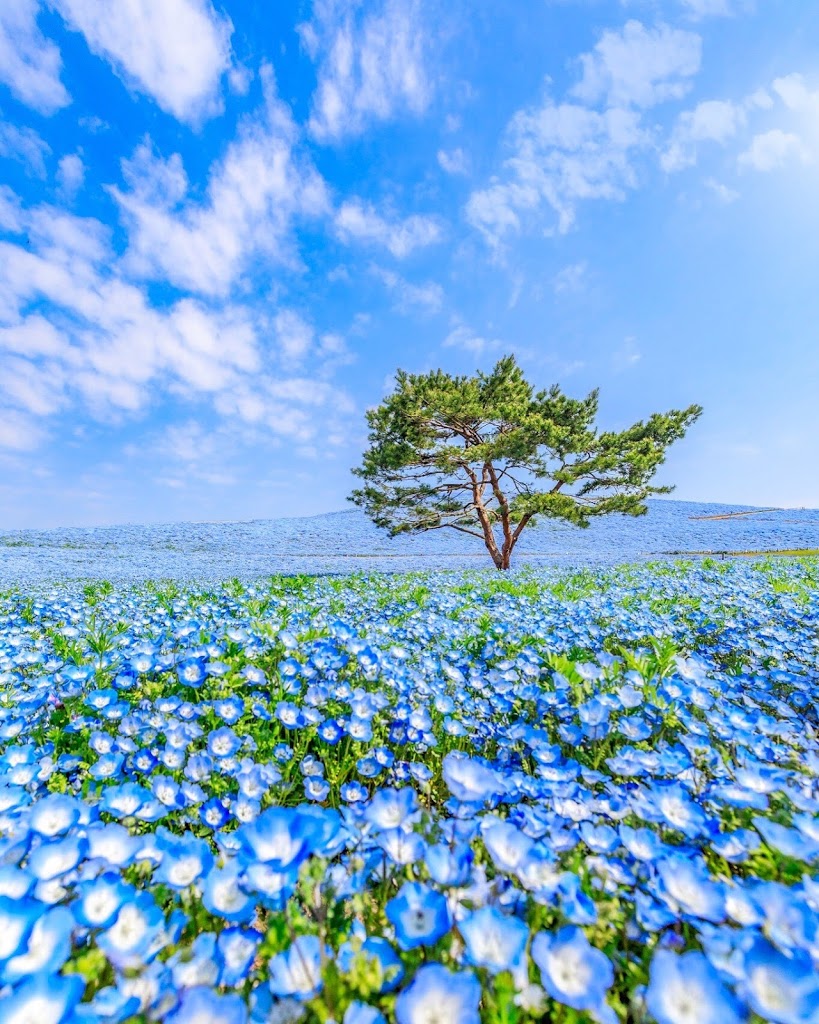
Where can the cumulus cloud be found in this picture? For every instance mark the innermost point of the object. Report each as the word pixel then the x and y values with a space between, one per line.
pixel 70 174
pixel 75 333
pixel 453 161
pixel 710 121
pixel 176 51
pixel 361 222
pixel 464 338
pixel 427 297
pixel 698 9
pixel 639 66
pixel 560 154
pixel 25 146
pixel 771 150
pixel 254 194
pixel 571 278
pixel 721 190
pixel 371 64
pixel 30 64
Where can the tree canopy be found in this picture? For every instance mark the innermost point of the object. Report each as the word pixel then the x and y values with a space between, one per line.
pixel 486 455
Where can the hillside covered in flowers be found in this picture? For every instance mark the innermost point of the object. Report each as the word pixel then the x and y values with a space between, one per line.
pixel 434 798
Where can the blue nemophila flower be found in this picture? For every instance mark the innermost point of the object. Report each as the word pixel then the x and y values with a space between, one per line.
pixel 572 971
pixel 507 845
pixel 17 917
pixel 439 996
pixel 400 846
pixel 213 813
pixel 131 940
pixel 236 948
pixel 278 838
pixel 224 897
pixel 686 989
pixel 449 865
pixel 57 857
pixel 53 815
pixel 47 948
pixel 687 888
pixel 494 940
pixel 419 915
pixel 223 742
pixel 185 860
pixel 297 972
pixel 469 780
pixel 100 900
pixel 200 1004
pixel 191 671
pixel 44 998
pixel 783 989
pixel 390 808
pixel 361 1013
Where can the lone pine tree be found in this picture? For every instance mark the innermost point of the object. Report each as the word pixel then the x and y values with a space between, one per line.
pixel 486 455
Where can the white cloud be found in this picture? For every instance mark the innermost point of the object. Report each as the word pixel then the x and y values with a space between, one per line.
pixel 357 221
pixel 74 333
pixel 18 431
pixel 564 153
pixel 30 64
pixel 722 191
pixel 795 94
pixel 453 161
pixel 571 278
pixel 371 64
pixel 626 356
pixel 467 340
pixel 295 336
pixel 71 174
pixel 639 67
pixel 24 145
pixel 560 154
pixel 708 8
pixel 253 196
pixel 176 51
pixel 710 121
pixel 427 297
pixel 771 150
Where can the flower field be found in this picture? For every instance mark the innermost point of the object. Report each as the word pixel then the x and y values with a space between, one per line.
pixel 434 798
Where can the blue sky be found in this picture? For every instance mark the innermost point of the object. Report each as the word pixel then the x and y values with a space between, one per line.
pixel 224 226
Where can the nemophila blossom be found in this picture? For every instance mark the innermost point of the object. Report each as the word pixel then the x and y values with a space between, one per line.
pixel 185 860
pixel 686 989
pixel 361 1013
pixel 224 896
pixel 507 845
pixel 390 808
pixel 494 940
pixel 687 887
pixel 439 996
pixel 448 864
pixel 469 780
pixel 572 971
pixel 130 939
pixel 54 815
pixel 236 949
pixel 99 901
pixel 42 998
pixel 56 857
pixel 783 989
pixel 297 972
pixel 201 1004
pixel 418 914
